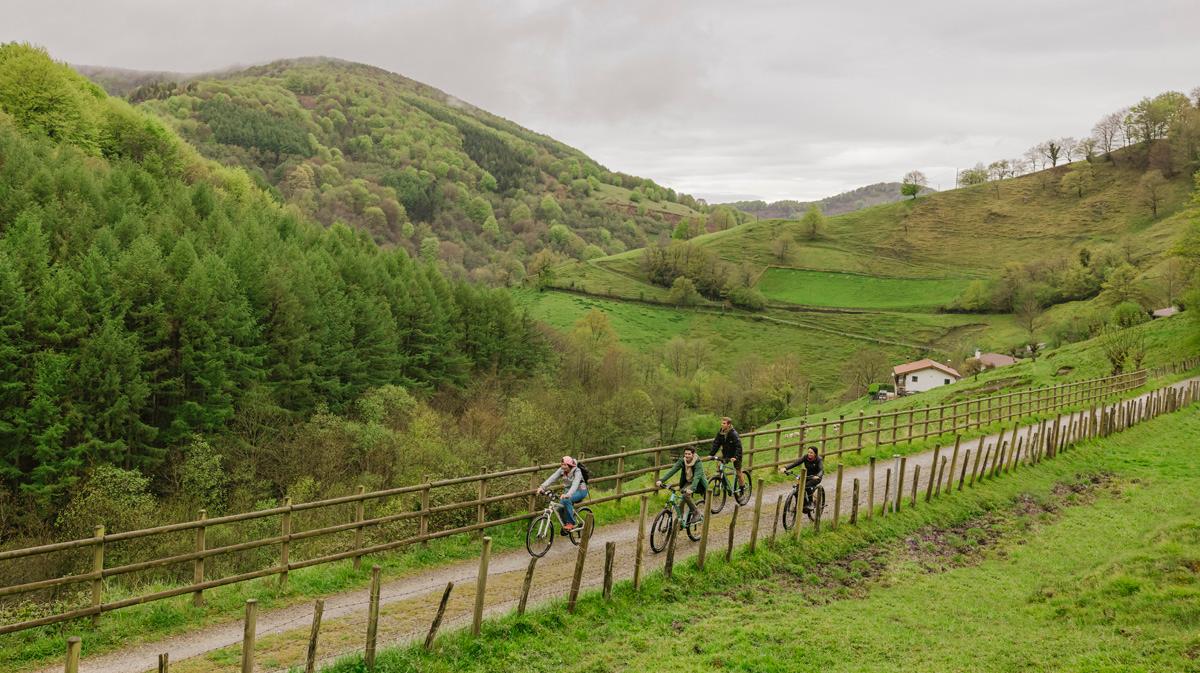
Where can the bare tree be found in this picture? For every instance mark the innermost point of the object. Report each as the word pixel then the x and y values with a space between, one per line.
pixel 1086 149
pixel 1172 280
pixel 1033 156
pixel 865 367
pixel 1068 145
pixel 1107 131
pixel 1029 314
pixel 1152 190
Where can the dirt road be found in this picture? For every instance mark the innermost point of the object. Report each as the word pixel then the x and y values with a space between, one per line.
pixel 409 601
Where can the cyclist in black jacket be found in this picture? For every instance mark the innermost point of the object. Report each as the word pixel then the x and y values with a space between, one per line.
pixel 814 467
pixel 730 446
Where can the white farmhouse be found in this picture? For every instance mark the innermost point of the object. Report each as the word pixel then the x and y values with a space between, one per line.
pixel 922 375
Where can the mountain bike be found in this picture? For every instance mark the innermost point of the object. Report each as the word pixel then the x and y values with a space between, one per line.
pixel 674 510
pixel 794 498
pixel 539 536
pixel 720 486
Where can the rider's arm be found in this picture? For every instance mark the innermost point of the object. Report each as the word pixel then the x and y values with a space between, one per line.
pixel 674 468
pixel 576 480
pixel 553 478
pixel 734 440
pixel 716 446
pixel 794 464
pixel 820 471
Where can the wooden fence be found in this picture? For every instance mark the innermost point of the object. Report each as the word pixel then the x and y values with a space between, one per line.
pixel 1024 447
pixel 421 512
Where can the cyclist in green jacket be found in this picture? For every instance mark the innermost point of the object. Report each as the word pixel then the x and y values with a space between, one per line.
pixel 691 477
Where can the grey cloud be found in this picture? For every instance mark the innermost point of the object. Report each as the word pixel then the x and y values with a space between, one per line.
pixel 773 99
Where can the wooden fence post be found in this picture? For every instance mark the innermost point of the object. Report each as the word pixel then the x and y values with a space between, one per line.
pixel 98 570
pixel 641 542
pixel 978 456
pixel 248 631
pixel 887 492
pixel 819 496
pixel 702 552
pixel 757 514
pixel 198 564
pixel 854 505
pixel 526 585
pixel 802 484
pixel 580 559
pixel 620 474
pixel 423 522
pixel 73 645
pixel 669 562
pixel 359 512
pixel 285 531
pixel 937 450
pixel 732 526
pixel 531 499
pixel 870 487
pixel 962 477
pixel 481 582
pixel 837 499
pixel 441 612
pixel 916 482
pixel 900 484
pixel 953 462
pixel 373 619
pixel 778 442
pixel 164 663
pixel 941 474
pixel 481 513
pixel 310 659
pixel 775 521
pixel 610 553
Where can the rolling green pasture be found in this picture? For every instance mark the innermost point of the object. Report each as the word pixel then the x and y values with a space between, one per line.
pixel 852 290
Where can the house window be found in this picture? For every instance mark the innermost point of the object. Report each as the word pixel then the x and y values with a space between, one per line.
pixel 947 381
pixel 914 378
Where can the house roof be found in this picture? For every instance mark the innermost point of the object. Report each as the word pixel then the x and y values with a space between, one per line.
pixel 996 359
pixel 899 370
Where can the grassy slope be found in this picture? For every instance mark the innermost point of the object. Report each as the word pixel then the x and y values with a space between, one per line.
pixel 827 288
pixel 1047 598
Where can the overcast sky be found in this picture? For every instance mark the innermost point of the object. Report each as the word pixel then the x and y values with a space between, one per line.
pixel 722 99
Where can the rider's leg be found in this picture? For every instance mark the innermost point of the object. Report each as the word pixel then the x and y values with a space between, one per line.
pixel 569 505
pixel 687 500
pixel 568 510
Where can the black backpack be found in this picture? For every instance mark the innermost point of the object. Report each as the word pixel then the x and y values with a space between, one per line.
pixel 587 476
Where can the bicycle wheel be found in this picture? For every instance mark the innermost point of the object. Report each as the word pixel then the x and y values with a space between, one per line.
pixel 716 495
pixel 660 532
pixel 539 535
pixel 742 493
pixel 582 515
pixel 789 510
pixel 818 497
pixel 695 522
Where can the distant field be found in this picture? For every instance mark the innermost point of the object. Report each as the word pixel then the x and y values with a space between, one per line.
pixel 733 337
pixel 825 288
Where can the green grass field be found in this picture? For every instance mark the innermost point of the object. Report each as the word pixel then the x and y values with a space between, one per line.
pixel 1003 577
pixel 851 290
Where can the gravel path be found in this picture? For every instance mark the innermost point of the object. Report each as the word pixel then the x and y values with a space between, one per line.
pixel 409 601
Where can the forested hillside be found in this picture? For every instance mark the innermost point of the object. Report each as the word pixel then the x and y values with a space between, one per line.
pixel 151 302
pixel 418 168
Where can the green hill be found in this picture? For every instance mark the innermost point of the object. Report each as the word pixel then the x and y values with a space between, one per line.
pixel 414 166
pixel 855 199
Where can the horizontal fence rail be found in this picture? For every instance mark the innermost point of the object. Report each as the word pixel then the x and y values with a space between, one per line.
pixel 419 513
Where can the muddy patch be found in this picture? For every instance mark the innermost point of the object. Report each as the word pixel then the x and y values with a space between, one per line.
pixel 936 549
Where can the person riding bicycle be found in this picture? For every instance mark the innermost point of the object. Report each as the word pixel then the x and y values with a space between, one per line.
pixel 729 444
pixel 814 467
pixel 577 489
pixel 691 478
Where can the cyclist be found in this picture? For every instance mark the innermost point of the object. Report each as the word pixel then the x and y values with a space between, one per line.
pixel 729 444
pixel 691 477
pixel 577 489
pixel 815 469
